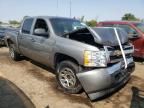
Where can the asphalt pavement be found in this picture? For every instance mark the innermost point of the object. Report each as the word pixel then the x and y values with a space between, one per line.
pixel 12 97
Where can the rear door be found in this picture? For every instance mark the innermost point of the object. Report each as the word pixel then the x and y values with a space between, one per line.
pixel 24 38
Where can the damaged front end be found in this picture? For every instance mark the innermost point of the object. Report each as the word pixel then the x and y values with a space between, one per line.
pixel 111 65
pixel 101 81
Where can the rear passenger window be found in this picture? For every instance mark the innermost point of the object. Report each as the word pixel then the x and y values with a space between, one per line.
pixel 27 26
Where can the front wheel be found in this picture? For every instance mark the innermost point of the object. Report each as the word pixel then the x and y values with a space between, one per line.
pixel 13 54
pixel 66 77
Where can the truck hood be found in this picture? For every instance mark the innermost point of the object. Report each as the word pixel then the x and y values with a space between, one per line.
pixel 107 36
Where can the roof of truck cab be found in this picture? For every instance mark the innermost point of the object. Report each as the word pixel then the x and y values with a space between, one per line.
pixel 49 17
pixel 119 22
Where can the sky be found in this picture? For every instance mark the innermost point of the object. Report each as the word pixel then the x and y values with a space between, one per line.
pixel 91 9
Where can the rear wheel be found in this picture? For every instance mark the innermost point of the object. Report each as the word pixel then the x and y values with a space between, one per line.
pixel 66 77
pixel 13 54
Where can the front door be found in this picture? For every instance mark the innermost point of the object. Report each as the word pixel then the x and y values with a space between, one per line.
pixel 42 43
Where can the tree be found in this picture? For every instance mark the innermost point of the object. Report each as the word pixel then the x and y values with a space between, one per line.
pixel 1 22
pixel 91 23
pixel 14 22
pixel 129 17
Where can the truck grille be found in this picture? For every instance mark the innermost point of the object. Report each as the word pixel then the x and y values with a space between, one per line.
pixel 115 54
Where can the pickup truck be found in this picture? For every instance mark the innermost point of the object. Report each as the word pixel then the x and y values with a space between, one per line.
pixel 96 60
pixel 135 30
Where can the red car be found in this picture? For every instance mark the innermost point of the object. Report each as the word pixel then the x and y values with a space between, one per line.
pixel 135 32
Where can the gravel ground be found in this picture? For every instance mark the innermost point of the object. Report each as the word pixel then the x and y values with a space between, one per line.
pixel 39 84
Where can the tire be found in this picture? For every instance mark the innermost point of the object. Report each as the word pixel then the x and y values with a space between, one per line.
pixel 13 54
pixel 66 77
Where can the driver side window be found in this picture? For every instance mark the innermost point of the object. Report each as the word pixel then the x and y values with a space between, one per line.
pixel 40 28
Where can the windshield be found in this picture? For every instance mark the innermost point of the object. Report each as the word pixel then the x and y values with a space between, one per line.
pixel 63 25
pixel 140 26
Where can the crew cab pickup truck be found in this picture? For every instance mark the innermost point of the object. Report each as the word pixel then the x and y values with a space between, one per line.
pixel 135 32
pixel 96 60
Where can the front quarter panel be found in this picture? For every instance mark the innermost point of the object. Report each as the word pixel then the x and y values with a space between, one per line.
pixel 73 48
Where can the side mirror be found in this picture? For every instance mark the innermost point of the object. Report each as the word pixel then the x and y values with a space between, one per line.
pixel 40 32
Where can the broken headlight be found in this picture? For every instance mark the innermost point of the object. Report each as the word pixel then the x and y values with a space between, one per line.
pixel 95 59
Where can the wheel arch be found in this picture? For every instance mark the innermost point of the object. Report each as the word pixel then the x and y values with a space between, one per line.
pixel 9 41
pixel 59 57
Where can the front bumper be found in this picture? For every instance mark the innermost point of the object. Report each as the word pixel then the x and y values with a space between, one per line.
pixel 100 82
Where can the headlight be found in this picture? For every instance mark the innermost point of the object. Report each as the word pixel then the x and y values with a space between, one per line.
pixel 95 59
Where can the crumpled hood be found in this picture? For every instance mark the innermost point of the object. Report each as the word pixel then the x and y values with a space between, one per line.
pixel 107 36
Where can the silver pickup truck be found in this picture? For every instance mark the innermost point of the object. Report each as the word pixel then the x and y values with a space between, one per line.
pixel 96 60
